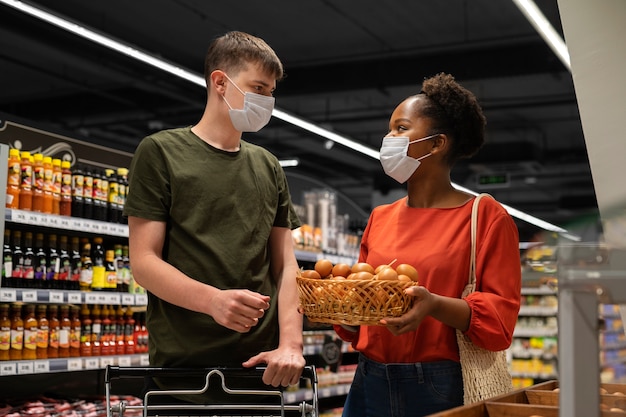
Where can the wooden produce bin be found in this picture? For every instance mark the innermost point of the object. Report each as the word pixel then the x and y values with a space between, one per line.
pixel 540 400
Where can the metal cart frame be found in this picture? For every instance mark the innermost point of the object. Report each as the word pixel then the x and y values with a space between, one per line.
pixel 304 408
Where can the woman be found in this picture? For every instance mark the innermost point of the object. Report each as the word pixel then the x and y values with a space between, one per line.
pixel 409 366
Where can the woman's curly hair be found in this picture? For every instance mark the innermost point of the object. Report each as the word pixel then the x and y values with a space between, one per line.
pixel 455 111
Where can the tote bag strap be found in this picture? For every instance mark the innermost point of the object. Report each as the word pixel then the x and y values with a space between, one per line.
pixel 471 286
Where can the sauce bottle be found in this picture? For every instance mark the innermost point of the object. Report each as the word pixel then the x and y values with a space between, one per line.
pixel 129 330
pixel 76 264
pixel 38 177
pixel 18 260
pixel 108 345
pixel 5 332
pixel 75 331
pixel 54 263
pixel 7 261
pixel 96 331
pixel 97 256
pixel 112 196
pixel 85 332
pixel 122 177
pixel 43 332
pixel 17 333
pixel 120 323
pixel 65 264
pixel 28 271
pixel 65 205
pixel 14 179
pixel 65 328
pixel 110 272
pixel 48 185
pixel 57 181
pixel 86 273
pixel 26 184
pixel 87 193
pixel 30 333
pixel 55 329
pixel 41 262
pixel 78 182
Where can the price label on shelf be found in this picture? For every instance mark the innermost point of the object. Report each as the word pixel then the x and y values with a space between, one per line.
pixel 33 218
pixel 92 363
pixel 18 216
pixel 56 296
pixel 114 298
pixel 109 360
pixel 74 364
pixel 64 222
pixel 104 228
pixel 29 296
pixel 8 368
pixel 8 295
pixel 42 367
pixel 144 360
pixel 74 297
pixel 124 361
pixel 54 221
pixel 128 299
pixel 25 367
pixel 141 299
pixel 96 298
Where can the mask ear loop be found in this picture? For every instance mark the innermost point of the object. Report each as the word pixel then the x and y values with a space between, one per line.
pixel 238 89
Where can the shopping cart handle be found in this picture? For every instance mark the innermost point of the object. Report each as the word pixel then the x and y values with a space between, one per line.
pixel 117 372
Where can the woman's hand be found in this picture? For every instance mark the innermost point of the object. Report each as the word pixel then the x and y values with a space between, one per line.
pixel 424 303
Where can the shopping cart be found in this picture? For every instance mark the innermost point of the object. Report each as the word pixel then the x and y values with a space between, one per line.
pixel 272 401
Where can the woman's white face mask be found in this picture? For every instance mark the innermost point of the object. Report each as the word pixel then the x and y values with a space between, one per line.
pixel 256 112
pixel 395 160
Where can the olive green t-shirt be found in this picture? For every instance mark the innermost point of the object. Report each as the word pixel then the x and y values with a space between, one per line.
pixel 219 208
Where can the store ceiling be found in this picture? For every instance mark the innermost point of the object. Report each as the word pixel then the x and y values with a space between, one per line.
pixel 348 64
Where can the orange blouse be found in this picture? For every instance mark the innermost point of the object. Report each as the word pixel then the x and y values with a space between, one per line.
pixel 437 242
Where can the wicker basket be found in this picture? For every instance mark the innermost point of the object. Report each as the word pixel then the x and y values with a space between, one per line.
pixel 353 302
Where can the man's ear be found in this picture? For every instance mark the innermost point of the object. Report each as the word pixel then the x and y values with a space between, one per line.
pixel 217 80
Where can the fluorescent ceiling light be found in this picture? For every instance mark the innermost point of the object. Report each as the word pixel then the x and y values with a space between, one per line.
pixel 176 70
pixel 545 29
pixel 289 162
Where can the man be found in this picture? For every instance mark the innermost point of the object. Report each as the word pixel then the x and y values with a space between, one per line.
pixel 210 219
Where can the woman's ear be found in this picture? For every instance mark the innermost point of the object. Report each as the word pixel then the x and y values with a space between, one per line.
pixel 440 143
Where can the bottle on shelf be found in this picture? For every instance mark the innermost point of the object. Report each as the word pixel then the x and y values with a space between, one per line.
pixel 48 185
pixel 65 328
pixel 18 259
pixel 7 261
pixel 87 193
pixel 86 272
pixel 28 273
pixel 17 333
pixel 14 179
pixel 54 263
pixel 86 331
pixel 105 339
pixel 43 332
pixel 30 333
pixel 112 196
pixel 99 209
pixel 98 282
pixel 78 182
pixel 96 331
pixel 41 262
pixel 129 330
pixel 5 332
pixel 122 176
pixel 129 282
pixel 76 263
pixel 122 282
pixel 75 331
pixel 110 271
pixel 120 323
pixel 55 328
pixel 57 181
pixel 65 204
pixel 38 179
pixel 26 184
pixel 65 264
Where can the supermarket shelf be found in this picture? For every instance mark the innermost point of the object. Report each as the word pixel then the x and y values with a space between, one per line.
pixel 310 256
pixel 324 392
pixel 65 222
pixel 71 297
pixel 43 366
pixel 538 311
pixel 535 332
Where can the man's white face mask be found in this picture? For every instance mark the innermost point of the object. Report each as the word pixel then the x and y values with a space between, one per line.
pixel 256 112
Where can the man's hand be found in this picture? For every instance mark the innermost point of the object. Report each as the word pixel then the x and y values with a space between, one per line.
pixel 238 310
pixel 284 366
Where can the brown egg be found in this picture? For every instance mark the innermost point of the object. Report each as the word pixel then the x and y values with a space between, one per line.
pixel 402 277
pixel 363 266
pixel 362 275
pixel 310 273
pixel 387 273
pixel 324 267
pixel 341 270
pixel 408 270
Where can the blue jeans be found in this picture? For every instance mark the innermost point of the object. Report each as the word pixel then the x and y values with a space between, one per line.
pixel 403 390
